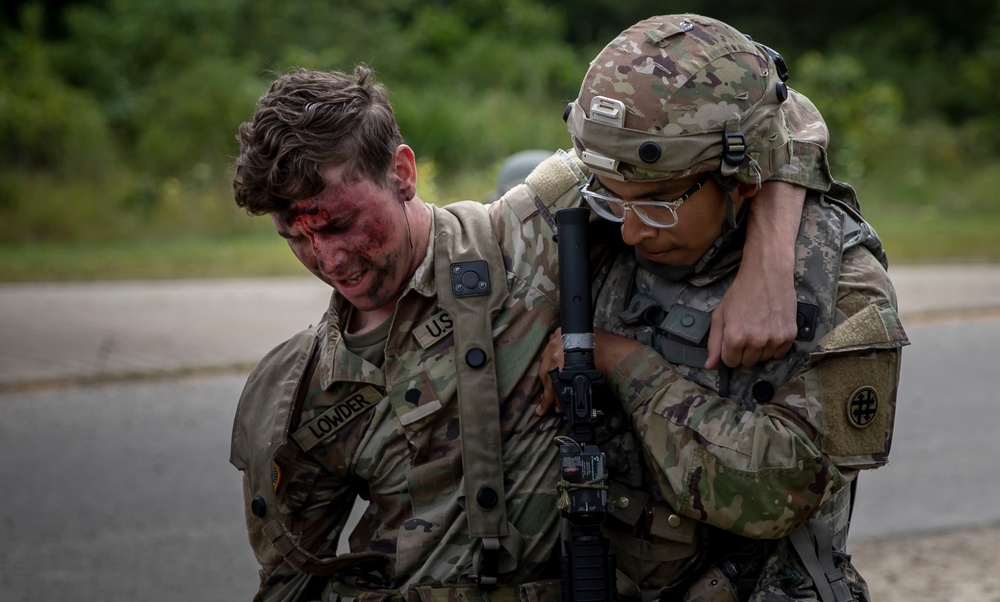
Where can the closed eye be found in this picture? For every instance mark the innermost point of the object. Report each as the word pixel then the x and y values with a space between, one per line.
pixel 333 228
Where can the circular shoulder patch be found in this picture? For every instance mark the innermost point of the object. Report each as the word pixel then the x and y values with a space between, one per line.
pixel 863 407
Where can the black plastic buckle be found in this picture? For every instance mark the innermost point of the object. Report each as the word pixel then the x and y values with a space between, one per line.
pixel 734 147
pixel 489 567
pixel 805 317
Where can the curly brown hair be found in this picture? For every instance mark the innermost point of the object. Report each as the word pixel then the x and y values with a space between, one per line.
pixel 307 121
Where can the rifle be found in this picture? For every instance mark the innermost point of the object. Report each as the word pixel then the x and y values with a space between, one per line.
pixel 588 570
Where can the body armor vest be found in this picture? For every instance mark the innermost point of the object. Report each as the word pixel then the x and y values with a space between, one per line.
pixel 674 317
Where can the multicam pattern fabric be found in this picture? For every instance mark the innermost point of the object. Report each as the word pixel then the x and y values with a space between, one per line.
pixel 758 461
pixel 684 80
pixel 400 448
pixel 808 166
pixel 784 577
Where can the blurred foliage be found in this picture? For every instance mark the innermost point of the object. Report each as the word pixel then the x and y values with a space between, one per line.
pixel 118 116
pixel 860 111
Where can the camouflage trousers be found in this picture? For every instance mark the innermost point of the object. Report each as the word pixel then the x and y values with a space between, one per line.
pixel 804 566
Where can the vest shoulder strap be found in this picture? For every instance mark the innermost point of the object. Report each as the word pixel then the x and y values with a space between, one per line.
pixel 471 286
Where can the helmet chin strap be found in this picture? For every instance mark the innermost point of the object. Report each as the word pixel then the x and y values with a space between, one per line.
pixel 730 229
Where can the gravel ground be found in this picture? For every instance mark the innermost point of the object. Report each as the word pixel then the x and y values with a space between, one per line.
pixel 956 565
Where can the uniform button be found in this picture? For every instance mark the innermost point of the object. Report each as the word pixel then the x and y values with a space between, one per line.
pixel 674 521
pixel 763 391
pixel 258 507
pixel 687 320
pixel 412 396
pixel 487 497
pixel 475 357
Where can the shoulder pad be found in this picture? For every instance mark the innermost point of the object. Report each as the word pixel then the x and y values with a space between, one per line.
pixel 547 186
pixel 266 402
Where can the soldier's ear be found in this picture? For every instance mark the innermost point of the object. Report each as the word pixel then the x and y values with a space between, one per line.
pixel 404 167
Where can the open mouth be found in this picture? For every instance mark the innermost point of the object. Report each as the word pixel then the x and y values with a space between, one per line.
pixel 350 281
pixel 356 278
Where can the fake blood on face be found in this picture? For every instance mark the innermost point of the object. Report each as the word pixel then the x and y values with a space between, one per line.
pixel 355 238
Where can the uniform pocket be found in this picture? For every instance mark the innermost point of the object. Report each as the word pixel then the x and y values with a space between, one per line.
pixel 652 560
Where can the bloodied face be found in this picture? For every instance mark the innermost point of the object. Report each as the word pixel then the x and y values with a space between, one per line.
pixel 355 236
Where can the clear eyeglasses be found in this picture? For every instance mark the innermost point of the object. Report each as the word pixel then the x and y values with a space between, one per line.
pixel 658 214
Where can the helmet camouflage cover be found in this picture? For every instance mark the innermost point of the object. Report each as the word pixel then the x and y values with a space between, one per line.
pixel 678 95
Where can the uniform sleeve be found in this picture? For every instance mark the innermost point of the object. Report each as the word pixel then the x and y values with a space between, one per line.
pixel 278 580
pixel 762 472
pixel 809 166
pixel 525 224
pixel 289 498
pixel 314 508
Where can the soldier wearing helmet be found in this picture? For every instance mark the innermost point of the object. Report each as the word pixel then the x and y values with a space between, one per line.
pixel 733 484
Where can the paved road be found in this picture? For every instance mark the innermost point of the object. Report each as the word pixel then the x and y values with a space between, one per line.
pixel 121 490
pixel 94 331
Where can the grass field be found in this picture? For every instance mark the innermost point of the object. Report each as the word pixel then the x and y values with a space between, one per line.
pixel 923 215
pixel 257 256
pixel 907 240
pixel 940 240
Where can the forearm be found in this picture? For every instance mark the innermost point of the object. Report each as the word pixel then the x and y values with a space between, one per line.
pixel 772 228
pixel 755 473
pixel 288 586
pixel 313 512
pixel 278 580
pixel 756 319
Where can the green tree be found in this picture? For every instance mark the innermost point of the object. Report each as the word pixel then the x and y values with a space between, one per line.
pixel 860 110
pixel 45 122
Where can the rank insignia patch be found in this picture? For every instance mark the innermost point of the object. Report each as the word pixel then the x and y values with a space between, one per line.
pixel 863 407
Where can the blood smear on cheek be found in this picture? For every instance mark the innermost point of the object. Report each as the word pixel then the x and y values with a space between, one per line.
pixel 376 233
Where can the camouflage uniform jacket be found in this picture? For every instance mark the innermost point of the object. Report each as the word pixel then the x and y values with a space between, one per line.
pixel 751 452
pixel 391 435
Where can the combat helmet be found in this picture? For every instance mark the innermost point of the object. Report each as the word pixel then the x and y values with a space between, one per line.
pixel 678 95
